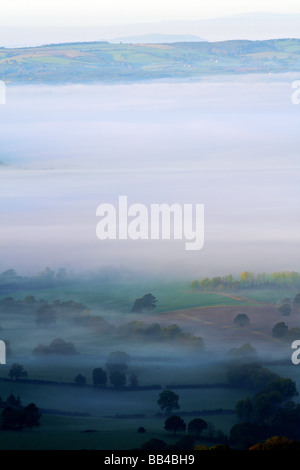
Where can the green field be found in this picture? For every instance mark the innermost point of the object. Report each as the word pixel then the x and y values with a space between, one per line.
pixel 206 314
pixel 120 296
pixel 104 62
pixel 60 433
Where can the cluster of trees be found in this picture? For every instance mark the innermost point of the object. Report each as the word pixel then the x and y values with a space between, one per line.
pixel 270 412
pixel 116 371
pixel 46 277
pixel 46 313
pixel 246 351
pixel 282 331
pixel 96 323
pixel 265 403
pixel 17 417
pixel 286 304
pixel 247 280
pixel 250 376
pixel 273 443
pixel 285 421
pixel 176 424
pixel 196 429
pixel 156 332
pixel 57 346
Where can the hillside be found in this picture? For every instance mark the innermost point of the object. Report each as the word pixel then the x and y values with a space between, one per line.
pixel 101 61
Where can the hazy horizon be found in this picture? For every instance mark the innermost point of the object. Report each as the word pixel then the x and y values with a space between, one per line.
pixel 252 25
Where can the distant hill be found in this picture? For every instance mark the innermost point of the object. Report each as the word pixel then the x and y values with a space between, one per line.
pixel 254 26
pixel 157 38
pixel 89 62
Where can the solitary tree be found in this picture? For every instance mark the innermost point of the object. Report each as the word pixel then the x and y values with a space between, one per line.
pixel 297 299
pixel 241 320
pixel 99 377
pixel 133 380
pixel 175 424
pixel 147 302
pixel 118 379
pixel 117 360
pixel 17 371
pixel 80 379
pixel 31 416
pixel 279 330
pixel 285 310
pixel 197 426
pixel 168 401
pixel 195 285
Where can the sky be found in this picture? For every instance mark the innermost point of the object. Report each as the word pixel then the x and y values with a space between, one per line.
pixel 109 12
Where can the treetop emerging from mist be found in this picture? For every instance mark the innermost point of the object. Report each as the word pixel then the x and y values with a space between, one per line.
pixel 147 302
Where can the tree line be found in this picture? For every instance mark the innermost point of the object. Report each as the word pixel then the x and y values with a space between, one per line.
pixel 247 280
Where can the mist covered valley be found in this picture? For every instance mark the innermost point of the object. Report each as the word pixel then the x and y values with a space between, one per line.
pixel 71 303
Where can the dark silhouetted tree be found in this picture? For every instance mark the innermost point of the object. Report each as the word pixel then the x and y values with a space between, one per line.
pixel 31 416
pixel 197 426
pixel 245 434
pixel 168 400
pixel 57 346
pixel 99 377
pixel 246 351
pixel 117 361
pixel 133 380
pixel 118 379
pixel 279 330
pixel 17 372
pixel 175 424
pixel 241 320
pixel 285 310
pixel 80 379
pixel 13 401
pixel 244 409
pixel 147 302
pixel 297 299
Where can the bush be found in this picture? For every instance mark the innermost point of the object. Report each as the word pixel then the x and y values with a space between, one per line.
pixel 241 320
